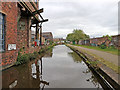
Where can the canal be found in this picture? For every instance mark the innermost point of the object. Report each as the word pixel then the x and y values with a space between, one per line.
pixel 58 68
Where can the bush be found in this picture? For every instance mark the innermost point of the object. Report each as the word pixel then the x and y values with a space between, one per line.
pixel 112 47
pixel 32 56
pixel 41 50
pixel 22 59
pixel 35 54
pixel 103 46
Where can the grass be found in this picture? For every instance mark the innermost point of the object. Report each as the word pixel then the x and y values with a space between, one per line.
pixel 109 50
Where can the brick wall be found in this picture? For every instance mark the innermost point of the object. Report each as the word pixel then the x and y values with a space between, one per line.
pixel 10 11
pixel 22 35
pixel 15 35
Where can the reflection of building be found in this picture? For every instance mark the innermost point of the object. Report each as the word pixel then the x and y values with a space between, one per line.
pixel 28 76
pixel 9 78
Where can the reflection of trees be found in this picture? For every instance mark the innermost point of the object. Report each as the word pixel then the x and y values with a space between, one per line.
pixel 92 79
pixel 75 57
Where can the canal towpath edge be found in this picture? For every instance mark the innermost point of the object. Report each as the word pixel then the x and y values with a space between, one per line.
pixel 89 54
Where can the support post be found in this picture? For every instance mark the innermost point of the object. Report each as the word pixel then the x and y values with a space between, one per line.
pixel 36 35
pixel 40 35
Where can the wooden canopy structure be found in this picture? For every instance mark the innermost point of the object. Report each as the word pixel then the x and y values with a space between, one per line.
pixel 33 11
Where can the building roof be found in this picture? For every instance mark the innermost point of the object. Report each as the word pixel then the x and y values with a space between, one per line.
pixel 47 35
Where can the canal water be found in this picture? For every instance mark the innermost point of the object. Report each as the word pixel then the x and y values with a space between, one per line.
pixel 58 68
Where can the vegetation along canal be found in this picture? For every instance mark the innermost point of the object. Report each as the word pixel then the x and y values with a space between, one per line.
pixel 58 68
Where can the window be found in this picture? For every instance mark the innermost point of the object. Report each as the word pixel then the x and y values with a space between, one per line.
pixel 2 32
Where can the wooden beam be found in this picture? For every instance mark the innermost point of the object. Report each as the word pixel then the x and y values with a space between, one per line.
pixel 38 11
pixel 27 7
pixel 33 26
pixel 45 20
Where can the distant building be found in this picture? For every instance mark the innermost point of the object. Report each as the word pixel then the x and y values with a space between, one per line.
pixel 115 41
pixel 33 39
pixel 48 36
pixel 58 40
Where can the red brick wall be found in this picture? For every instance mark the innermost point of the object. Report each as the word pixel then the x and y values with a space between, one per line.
pixel 22 35
pixel 10 11
pixel 14 35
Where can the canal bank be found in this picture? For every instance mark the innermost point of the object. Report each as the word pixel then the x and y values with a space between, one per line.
pixel 111 76
pixel 57 68
pixel 24 57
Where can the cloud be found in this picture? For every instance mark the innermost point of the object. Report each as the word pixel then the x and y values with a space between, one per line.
pixel 94 17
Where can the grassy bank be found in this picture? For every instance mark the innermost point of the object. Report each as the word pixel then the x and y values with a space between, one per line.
pixel 109 50
pixel 99 60
pixel 21 59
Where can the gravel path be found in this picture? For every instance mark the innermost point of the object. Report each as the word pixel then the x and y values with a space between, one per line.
pixel 106 56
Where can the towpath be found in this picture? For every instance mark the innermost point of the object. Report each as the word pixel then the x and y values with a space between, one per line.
pixel 104 55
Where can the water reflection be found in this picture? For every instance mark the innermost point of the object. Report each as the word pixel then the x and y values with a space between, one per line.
pixel 75 57
pixel 92 79
pixel 37 73
pixel 25 76
pixel 13 84
pixel 49 54
pixel 60 69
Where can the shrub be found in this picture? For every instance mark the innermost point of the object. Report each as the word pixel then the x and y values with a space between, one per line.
pixel 22 59
pixel 32 56
pixel 103 46
pixel 112 47
pixel 35 54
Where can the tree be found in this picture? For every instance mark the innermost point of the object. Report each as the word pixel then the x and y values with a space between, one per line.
pixel 77 35
pixel 109 37
pixel 71 37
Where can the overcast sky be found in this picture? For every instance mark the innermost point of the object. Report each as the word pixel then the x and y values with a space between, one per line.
pixel 95 17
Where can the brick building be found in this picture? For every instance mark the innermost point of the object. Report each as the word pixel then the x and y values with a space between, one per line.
pixel 48 36
pixel 99 41
pixel 115 41
pixel 16 20
pixel 8 33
